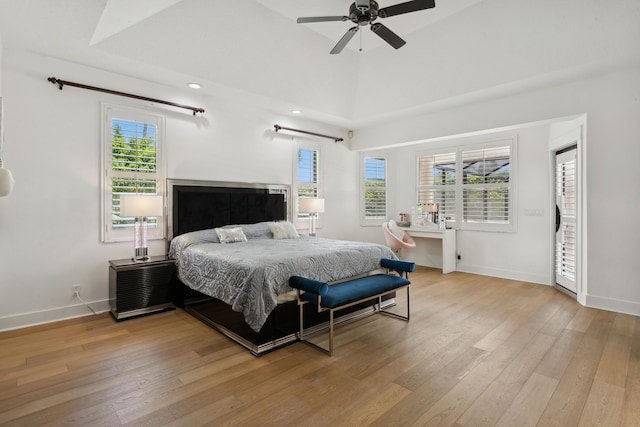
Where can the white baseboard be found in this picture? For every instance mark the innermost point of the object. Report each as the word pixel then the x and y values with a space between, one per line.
pixel 34 318
pixel 505 274
pixel 615 305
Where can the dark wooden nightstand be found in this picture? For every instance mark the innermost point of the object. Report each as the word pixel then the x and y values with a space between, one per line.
pixel 137 288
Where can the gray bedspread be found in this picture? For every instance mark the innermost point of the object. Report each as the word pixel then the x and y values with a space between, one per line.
pixel 250 275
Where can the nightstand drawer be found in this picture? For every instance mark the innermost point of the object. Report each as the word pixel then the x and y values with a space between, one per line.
pixel 136 278
pixel 146 297
pixel 137 288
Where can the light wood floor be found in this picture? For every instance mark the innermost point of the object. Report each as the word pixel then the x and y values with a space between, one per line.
pixel 478 351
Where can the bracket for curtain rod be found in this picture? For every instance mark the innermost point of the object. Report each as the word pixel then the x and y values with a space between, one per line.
pixel 62 83
pixel 335 139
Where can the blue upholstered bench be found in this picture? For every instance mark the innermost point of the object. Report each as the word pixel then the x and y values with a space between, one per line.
pixel 345 294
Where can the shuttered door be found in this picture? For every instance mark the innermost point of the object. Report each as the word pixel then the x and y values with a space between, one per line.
pixel 566 210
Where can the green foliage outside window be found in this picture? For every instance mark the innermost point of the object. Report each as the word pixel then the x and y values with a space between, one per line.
pixel 375 200
pixel 133 155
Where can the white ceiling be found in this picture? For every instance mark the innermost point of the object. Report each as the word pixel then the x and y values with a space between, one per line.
pixel 460 51
pixel 403 25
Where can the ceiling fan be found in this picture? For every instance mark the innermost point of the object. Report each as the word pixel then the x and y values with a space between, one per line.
pixel 365 12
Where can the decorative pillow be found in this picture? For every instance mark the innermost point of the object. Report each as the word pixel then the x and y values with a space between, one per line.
pixel 259 230
pixel 397 231
pixel 283 230
pixel 231 235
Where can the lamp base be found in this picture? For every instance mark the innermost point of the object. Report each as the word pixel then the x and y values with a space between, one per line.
pixel 141 255
pixel 140 251
pixel 312 224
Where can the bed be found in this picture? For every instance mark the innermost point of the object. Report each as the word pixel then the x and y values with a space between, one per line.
pixel 241 288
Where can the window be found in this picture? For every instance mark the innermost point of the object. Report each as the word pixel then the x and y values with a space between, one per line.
pixel 472 186
pixel 485 183
pixel 374 185
pixel 307 172
pixel 132 161
pixel 437 182
pixel 307 179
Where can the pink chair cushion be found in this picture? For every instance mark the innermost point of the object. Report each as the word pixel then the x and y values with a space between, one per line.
pixel 394 242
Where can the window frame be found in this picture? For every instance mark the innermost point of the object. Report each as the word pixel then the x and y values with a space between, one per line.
pixel 109 112
pixel 301 220
pixel 460 186
pixel 364 219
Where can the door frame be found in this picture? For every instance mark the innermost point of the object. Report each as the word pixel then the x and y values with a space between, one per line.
pixel 563 135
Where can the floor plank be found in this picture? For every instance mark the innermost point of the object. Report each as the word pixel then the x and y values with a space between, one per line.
pixel 478 351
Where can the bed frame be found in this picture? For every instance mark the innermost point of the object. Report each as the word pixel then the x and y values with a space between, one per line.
pixel 198 205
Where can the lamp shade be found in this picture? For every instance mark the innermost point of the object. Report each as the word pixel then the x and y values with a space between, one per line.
pixel 431 207
pixel 140 205
pixel 6 181
pixel 310 205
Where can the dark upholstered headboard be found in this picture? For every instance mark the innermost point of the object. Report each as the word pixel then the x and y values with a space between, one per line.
pixel 198 205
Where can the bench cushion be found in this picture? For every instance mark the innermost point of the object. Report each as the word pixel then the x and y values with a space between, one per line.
pixel 398 265
pixel 350 291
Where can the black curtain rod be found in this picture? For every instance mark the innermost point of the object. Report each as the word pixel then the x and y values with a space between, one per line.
pixel 335 139
pixel 62 83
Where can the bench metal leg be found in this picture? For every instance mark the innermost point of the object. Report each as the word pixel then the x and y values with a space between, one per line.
pixel 331 317
pixel 301 306
pixel 398 316
pixel 324 350
pixel 330 332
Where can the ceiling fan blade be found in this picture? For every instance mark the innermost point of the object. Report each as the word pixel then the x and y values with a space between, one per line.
pixel 321 19
pixel 344 40
pixel 387 35
pixel 410 6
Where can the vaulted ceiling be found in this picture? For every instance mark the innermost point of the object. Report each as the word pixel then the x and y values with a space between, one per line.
pixel 459 52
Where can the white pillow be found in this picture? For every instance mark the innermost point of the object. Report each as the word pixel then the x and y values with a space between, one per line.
pixel 397 231
pixel 231 235
pixel 283 230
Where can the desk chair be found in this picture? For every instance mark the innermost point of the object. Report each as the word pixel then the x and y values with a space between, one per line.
pixel 396 238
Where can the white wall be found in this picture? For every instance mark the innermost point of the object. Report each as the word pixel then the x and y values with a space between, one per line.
pixel 611 102
pixel 49 226
pixel 0 65
pixel 521 255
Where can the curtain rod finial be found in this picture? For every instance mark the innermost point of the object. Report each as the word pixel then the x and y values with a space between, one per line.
pixel 56 81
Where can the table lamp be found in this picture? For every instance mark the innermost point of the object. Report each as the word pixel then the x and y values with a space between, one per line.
pixel 141 207
pixel 312 206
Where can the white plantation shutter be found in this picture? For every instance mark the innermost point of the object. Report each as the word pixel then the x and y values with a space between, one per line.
pixel 472 186
pixel 566 242
pixel 437 182
pixel 132 158
pixel 375 188
pixel 307 169
pixel 486 185
pixel 566 252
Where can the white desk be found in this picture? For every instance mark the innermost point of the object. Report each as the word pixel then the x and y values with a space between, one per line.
pixel 448 237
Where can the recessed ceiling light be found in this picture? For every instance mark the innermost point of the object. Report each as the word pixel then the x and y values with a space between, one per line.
pixel 194 85
pixel 296 112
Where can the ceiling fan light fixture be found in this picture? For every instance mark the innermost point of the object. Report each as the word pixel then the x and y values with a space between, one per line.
pixel 365 12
